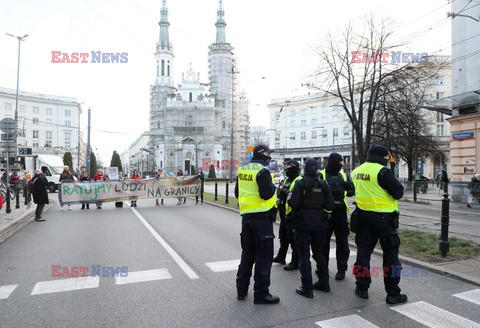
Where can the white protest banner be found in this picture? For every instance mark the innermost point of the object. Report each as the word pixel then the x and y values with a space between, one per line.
pixel 111 191
pixel 112 173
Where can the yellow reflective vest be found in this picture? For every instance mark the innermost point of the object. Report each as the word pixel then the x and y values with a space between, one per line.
pixel 344 176
pixel 288 209
pixel 248 196
pixel 368 193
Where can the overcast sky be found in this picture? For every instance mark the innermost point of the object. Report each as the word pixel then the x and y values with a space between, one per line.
pixel 272 39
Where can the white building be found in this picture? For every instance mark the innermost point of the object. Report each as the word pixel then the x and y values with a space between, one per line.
pixel 258 135
pixel 47 124
pixel 137 156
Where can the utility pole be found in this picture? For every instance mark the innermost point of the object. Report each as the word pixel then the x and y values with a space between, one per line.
pixel 231 129
pixel 88 144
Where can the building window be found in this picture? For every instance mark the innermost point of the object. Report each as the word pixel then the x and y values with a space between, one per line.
pixel 303 144
pixel 440 117
pixel 7 106
pixel 314 134
pixel 68 112
pixel 277 136
pixel 346 131
pixel 324 119
pixel 439 80
pixel 292 135
pixel 49 111
pixel 158 68
pixel 324 142
pixel 292 123
pixel 314 110
pixel 292 144
pixel 35 144
pixel 163 67
pixel 303 123
pixel 36 110
pixel 303 135
pixel 190 97
pixel 335 118
pixel 48 135
pixel 303 112
pixel 440 95
pixel 314 121
pixel 48 121
pixel 23 109
pixel 35 120
pixel 441 130
pixel 35 134
pixel 67 139
pixel 415 84
pixel 68 123
pixel 224 124
pixel 345 117
pixel 324 109
pixel 277 145
pixel 292 113
pixel 168 68
pixel 324 133
pixel 277 125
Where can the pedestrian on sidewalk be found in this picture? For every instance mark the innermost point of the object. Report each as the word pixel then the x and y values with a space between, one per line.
pixel 202 179
pixel 99 177
pixel 40 193
pixel 377 193
pixel 135 176
pixel 85 178
pixel 66 176
pixel 444 180
pixel 158 176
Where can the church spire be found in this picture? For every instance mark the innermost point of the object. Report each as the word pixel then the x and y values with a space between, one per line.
pixel 164 24
pixel 220 24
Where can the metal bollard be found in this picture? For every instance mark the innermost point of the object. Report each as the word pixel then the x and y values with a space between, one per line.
pixel 17 197
pixel 226 193
pixel 444 246
pixel 7 196
pixel 216 191
pixel 25 194
pixel 415 191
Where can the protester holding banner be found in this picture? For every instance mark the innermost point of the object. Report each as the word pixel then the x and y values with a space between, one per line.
pixel 202 179
pixel 97 177
pixel 159 175
pixel 180 174
pixel 84 178
pixel 66 176
pixel 134 176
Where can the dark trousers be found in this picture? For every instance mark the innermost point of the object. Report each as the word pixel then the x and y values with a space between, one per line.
pixel 338 224
pixel 201 198
pixel 285 234
pixel 373 227
pixel 38 211
pixel 257 248
pixel 316 239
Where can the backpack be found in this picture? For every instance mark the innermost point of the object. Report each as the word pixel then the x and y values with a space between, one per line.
pixel 30 186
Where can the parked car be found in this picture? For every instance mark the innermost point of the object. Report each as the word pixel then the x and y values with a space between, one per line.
pixel 278 178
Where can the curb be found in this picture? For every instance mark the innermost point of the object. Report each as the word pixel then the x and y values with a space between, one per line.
pixel 404 259
pixel 26 217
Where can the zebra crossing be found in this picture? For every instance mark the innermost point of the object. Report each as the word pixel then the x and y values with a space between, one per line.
pixel 421 312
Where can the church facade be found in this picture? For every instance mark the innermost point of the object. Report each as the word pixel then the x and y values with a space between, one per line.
pixel 191 123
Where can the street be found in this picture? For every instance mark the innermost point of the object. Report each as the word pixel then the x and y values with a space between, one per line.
pixel 181 273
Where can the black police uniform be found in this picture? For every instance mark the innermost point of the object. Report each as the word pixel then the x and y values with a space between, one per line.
pixel 374 226
pixel 310 198
pixel 257 242
pixel 338 222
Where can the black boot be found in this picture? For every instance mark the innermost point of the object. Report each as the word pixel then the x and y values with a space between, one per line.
pixel 83 207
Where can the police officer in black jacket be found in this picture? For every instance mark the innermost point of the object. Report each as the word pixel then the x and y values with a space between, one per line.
pixel 311 199
pixel 341 186
pixel 285 231
pixel 255 192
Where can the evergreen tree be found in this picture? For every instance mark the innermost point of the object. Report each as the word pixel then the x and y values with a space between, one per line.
pixel 116 161
pixel 93 164
pixel 211 173
pixel 67 160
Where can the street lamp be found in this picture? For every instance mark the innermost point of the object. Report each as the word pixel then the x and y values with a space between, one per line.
pixel 20 39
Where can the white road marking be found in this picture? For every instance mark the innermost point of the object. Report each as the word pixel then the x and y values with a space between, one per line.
pixel 432 316
pixel 347 321
pixel 5 291
pixel 141 276
pixel 471 296
pixel 181 263
pixel 65 285
pixel 223 265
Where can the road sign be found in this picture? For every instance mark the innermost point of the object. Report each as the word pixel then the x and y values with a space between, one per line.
pixel 250 156
pixel 8 125
pixel 9 136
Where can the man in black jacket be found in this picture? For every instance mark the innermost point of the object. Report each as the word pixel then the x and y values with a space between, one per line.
pixel 256 197
pixel 40 194
pixel 311 199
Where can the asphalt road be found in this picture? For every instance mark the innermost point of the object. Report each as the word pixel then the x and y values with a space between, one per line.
pixel 181 273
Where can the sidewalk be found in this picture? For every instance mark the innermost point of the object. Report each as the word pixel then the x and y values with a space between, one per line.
pixel 12 222
pixel 464 270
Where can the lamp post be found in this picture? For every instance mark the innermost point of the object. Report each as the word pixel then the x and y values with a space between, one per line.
pixel 20 39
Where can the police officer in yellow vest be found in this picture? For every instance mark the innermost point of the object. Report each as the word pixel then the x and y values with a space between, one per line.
pixel 341 186
pixel 256 195
pixel 285 231
pixel 377 191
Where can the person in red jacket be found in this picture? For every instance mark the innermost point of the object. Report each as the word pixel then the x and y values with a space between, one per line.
pixel 135 176
pixel 99 176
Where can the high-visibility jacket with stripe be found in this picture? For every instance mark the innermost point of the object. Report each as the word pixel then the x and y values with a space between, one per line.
pixel 288 209
pixel 344 176
pixel 248 195
pixel 368 193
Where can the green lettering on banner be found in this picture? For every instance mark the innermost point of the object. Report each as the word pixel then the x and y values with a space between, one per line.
pixel 158 193
pixel 75 190
pixel 133 185
pixel 88 190
pixel 166 192
pixel 109 187
pixel 184 190
pixel 66 190
pixel 150 192
pixel 117 190
pixel 125 186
